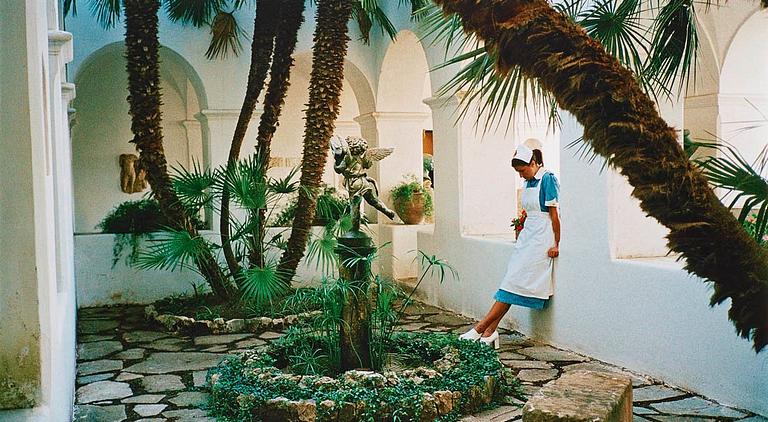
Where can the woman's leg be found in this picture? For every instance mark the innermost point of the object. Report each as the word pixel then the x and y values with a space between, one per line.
pixel 492 318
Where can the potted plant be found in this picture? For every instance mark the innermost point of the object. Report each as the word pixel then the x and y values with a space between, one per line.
pixel 411 201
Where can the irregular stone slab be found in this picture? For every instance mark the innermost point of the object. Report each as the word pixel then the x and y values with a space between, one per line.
pixel 582 396
pixel 536 375
pixel 695 406
pixel 96 366
pixel 755 419
pixel 636 418
pixel 103 390
pixel 167 345
pixel 198 378
pixel 500 414
pixel 270 335
pixel 449 319
pixel 145 398
pixel 93 378
pixel 421 309
pixel 643 411
pixel 219 339
pixel 216 349
pixel 160 383
pixel 90 413
pixel 95 326
pixel 149 409
pixel 152 420
pixel 97 349
pixel 667 418
pixel 655 393
pixel 251 342
pixel 143 336
pixel 130 354
pixel 93 337
pixel 127 376
pixel 190 399
pixel 189 415
pixel 516 340
pixel 510 356
pixel 529 390
pixel 527 364
pixel 163 363
pixel 637 380
pixel 414 326
pixel 550 354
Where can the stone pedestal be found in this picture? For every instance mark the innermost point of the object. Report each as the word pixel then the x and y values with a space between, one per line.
pixel 355 315
pixel 582 396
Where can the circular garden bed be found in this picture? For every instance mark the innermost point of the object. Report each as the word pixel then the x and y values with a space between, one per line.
pixel 428 377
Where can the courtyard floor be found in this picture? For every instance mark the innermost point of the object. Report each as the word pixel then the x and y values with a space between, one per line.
pixel 129 369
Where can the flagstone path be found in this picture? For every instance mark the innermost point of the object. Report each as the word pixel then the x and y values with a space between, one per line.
pixel 131 370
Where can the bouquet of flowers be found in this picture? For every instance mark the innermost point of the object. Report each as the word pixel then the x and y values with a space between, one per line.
pixel 518 223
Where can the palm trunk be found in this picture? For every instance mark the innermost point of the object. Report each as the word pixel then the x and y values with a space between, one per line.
pixel 264 24
pixel 142 64
pixel 621 123
pixel 325 84
pixel 291 18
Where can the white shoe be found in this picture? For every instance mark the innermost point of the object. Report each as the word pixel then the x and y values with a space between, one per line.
pixel 492 340
pixel 471 335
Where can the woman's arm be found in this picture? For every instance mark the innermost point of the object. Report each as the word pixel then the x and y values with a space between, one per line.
pixel 555 216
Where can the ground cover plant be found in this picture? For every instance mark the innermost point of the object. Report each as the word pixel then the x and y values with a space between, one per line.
pixel 241 386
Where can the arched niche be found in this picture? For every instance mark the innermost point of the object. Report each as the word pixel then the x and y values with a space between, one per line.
pixel 101 130
pixel 743 97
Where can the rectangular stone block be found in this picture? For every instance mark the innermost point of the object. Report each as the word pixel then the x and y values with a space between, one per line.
pixel 582 396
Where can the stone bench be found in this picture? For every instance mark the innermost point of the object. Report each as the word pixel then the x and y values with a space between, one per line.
pixel 582 396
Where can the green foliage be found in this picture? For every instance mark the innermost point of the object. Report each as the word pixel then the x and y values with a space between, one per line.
pixel 428 164
pixel 405 190
pixel 331 206
pixel 238 390
pixel 743 181
pixel 131 221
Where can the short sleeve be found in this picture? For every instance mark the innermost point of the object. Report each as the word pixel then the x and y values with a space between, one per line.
pixel 550 191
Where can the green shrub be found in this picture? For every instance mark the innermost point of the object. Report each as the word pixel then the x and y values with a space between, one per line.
pixel 331 206
pixel 405 190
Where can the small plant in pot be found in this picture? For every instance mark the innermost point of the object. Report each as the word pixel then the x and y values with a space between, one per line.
pixel 411 201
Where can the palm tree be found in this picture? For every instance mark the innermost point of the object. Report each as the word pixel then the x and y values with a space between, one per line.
pixel 621 124
pixel 291 18
pixel 265 24
pixel 325 83
pixel 144 99
pixel 330 49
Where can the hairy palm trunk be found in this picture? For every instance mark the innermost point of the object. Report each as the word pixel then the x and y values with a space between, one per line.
pixel 325 84
pixel 622 124
pixel 264 24
pixel 291 18
pixel 142 64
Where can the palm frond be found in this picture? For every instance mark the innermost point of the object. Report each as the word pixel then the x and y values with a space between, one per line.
pixel 674 45
pixel 285 185
pixel 225 36
pixel 194 12
pixel 170 250
pixel 262 285
pixel 70 5
pixel 367 14
pixel 246 183
pixel 321 251
pixel 106 12
pixel 192 187
pixel 731 172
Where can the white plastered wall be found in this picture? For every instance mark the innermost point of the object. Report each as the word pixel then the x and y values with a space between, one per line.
pixel 37 351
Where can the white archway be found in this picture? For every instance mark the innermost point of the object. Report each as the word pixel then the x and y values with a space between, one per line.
pixel 101 131
pixel 743 97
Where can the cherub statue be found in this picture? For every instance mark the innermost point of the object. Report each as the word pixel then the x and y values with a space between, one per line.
pixel 352 159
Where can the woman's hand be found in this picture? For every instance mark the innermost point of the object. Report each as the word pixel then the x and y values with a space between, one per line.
pixel 553 252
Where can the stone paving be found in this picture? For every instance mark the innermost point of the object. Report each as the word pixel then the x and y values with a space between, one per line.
pixel 131 370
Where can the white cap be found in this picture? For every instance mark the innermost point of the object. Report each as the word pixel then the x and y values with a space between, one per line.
pixel 523 153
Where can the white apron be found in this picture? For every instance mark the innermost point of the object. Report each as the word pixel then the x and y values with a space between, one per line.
pixel 530 270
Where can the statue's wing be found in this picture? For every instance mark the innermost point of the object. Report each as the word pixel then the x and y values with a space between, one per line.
pixel 337 144
pixel 378 154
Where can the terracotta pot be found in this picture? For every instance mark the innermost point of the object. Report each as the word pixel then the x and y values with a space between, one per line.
pixel 410 211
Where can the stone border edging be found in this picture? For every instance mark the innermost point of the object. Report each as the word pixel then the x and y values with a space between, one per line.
pixel 257 325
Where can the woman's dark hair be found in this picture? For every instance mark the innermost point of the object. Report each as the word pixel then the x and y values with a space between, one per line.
pixel 537 157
